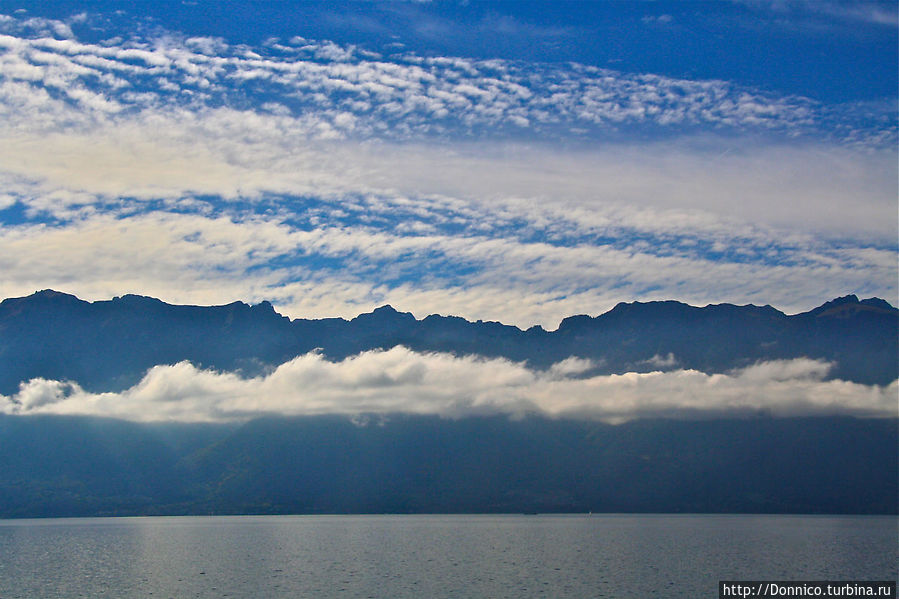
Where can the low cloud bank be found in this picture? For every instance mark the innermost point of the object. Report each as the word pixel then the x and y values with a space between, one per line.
pixel 402 381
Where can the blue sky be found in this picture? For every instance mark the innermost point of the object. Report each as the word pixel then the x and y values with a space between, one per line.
pixel 506 161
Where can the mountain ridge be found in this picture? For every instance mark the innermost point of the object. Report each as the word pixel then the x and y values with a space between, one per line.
pixel 387 309
pixel 109 344
pixel 56 465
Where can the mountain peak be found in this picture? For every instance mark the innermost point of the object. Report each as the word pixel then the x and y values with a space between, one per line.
pixel 385 309
pixel 264 306
pixel 47 295
pixel 846 299
pixel 571 323
pixel 834 304
pixel 384 314
pixel 876 302
pixel 134 299
pixel 53 294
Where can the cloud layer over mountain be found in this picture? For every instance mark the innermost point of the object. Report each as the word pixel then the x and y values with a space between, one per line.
pixel 402 381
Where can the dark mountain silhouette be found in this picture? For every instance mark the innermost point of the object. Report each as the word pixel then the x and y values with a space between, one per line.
pixel 109 345
pixel 74 466
pixel 60 466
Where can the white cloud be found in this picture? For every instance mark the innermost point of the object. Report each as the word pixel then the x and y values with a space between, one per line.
pixel 658 361
pixel 403 95
pixel 164 153
pixel 814 189
pixel 168 141
pixel 822 189
pixel 402 381
pixel 657 20
pixel 188 257
pixel 216 258
pixel 868 12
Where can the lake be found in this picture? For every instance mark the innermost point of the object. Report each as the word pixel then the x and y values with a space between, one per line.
pixel 435 556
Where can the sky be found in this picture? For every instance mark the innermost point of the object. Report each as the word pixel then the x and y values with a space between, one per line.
pixel 510 161
pixel 507 161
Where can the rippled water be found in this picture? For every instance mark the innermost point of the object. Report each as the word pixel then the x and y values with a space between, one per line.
pixel 434 556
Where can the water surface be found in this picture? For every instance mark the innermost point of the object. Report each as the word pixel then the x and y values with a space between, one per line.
pixel 434 556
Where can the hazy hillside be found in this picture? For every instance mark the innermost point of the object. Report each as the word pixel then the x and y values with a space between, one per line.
pixel 55 466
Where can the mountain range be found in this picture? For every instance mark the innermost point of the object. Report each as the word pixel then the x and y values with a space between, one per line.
pixel 55 465
pixel 109 345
